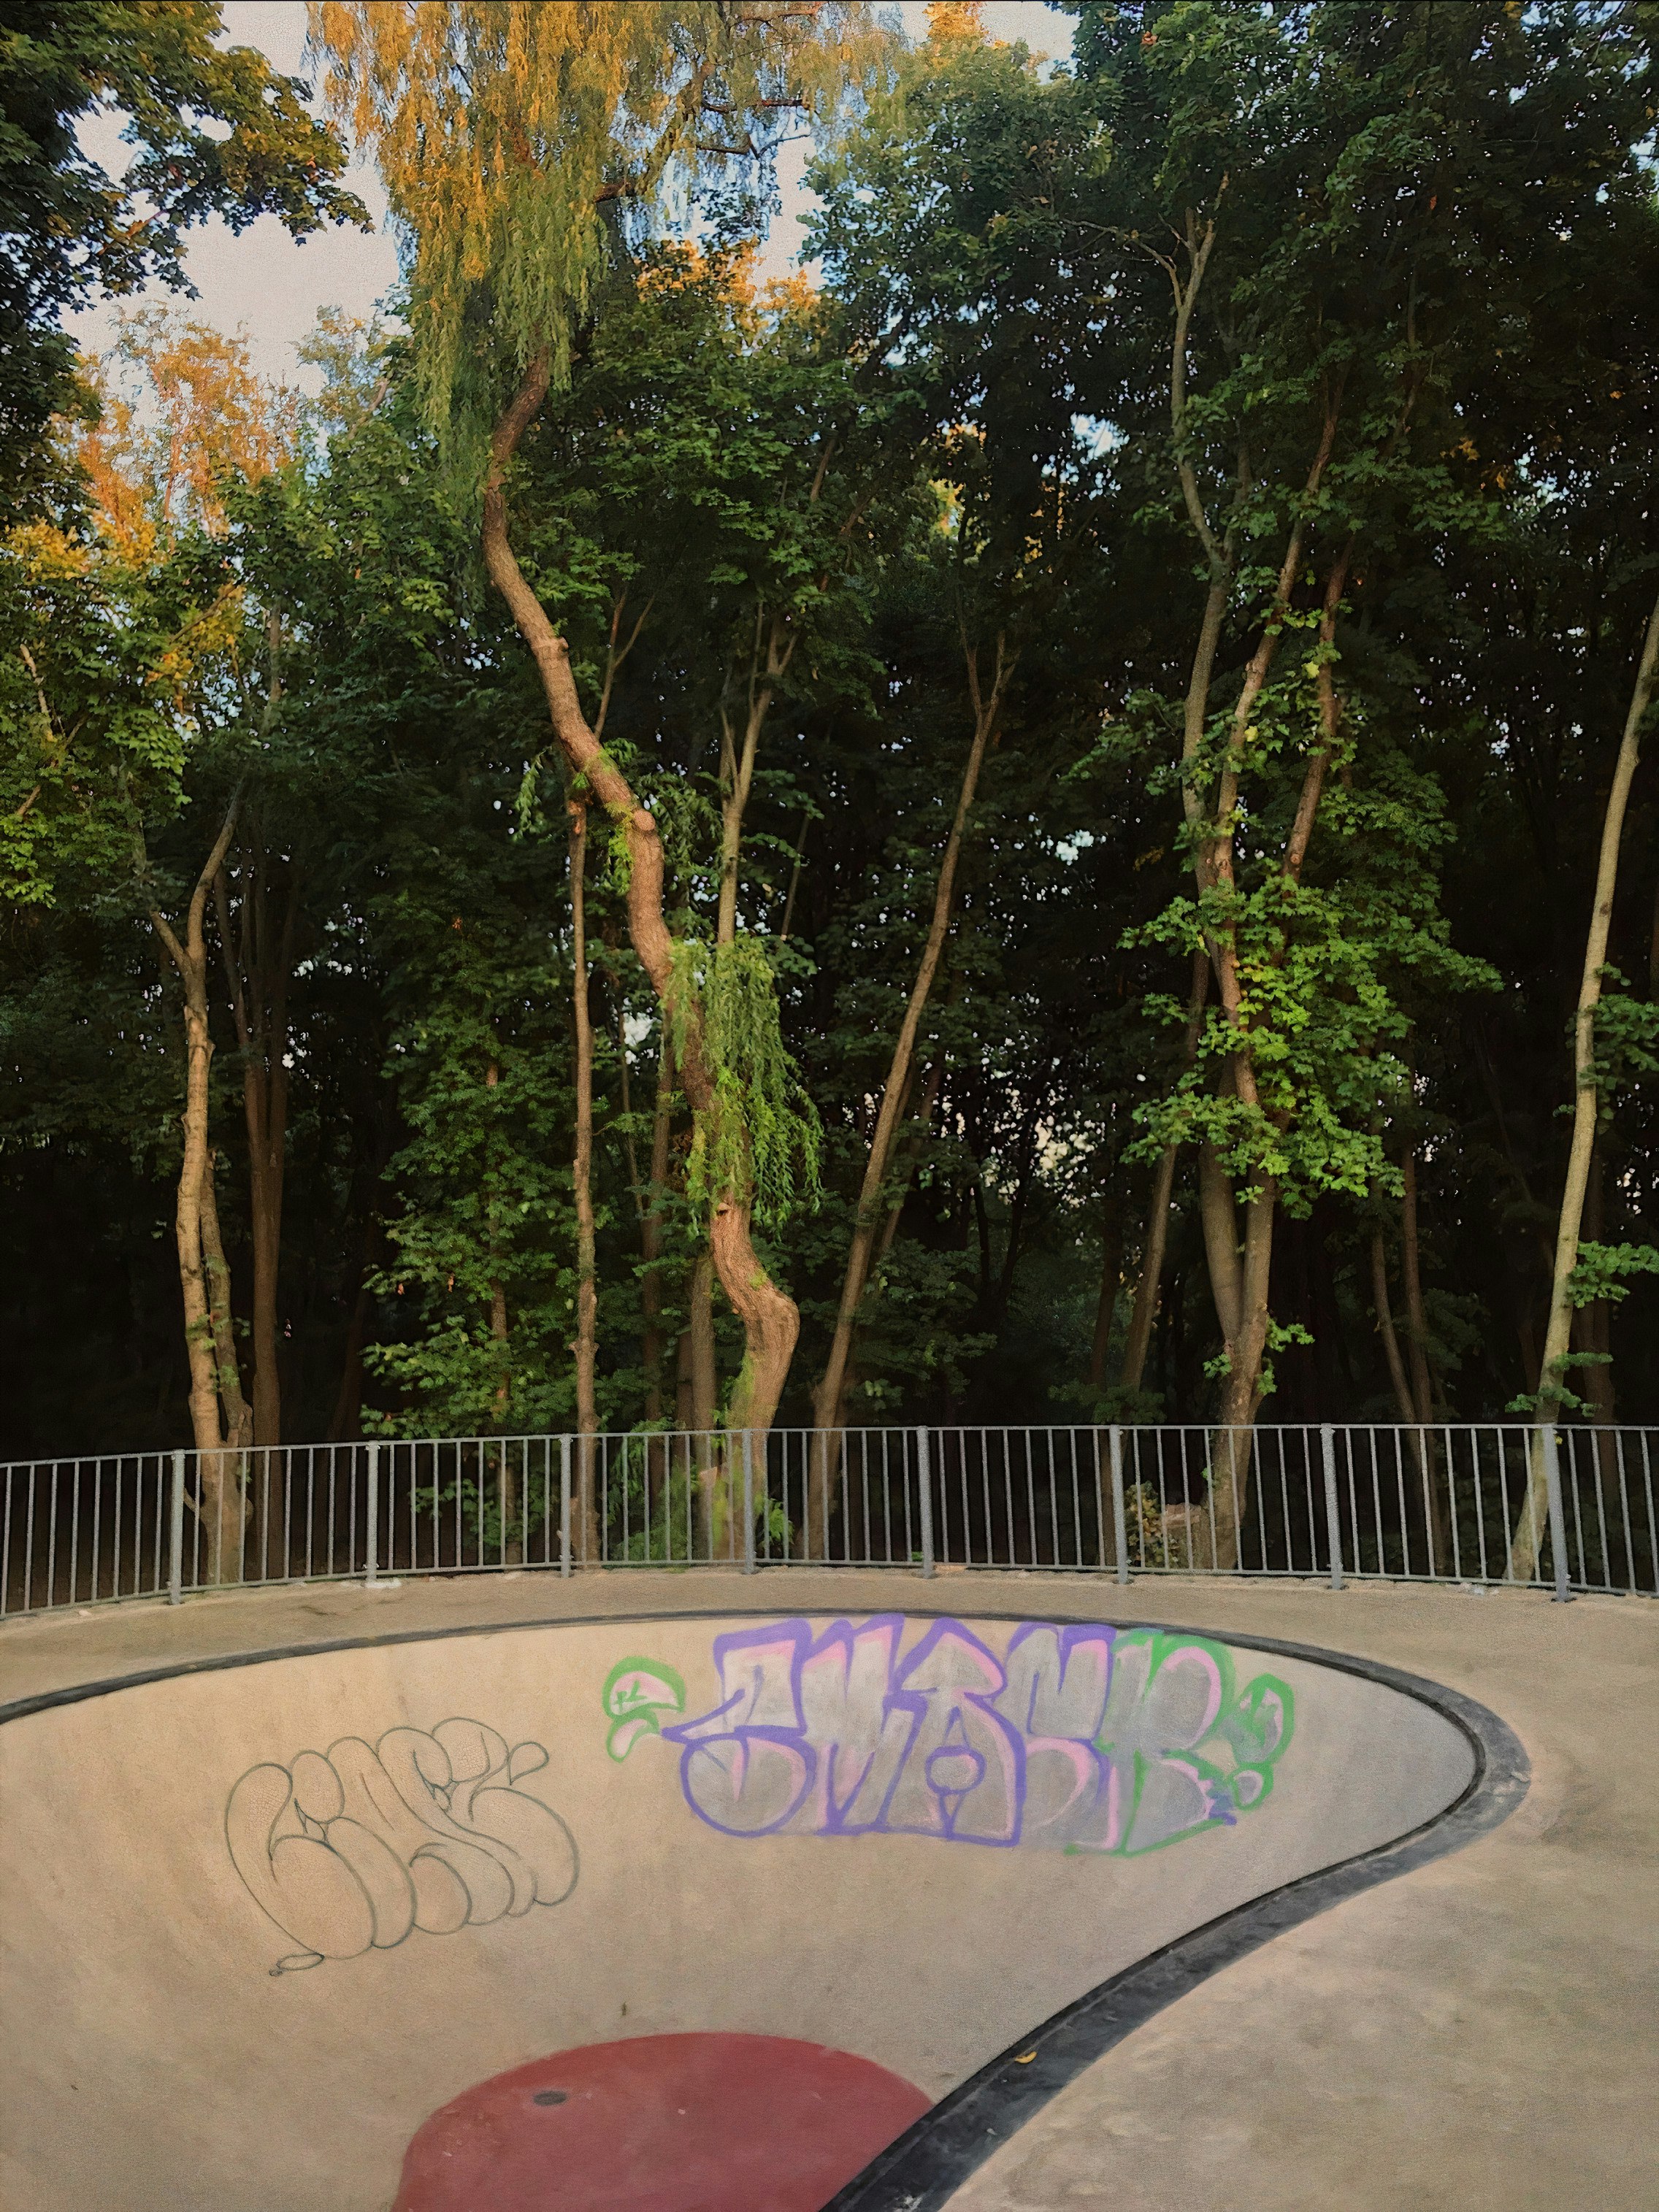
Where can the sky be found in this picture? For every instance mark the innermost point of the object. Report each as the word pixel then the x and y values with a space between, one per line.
pixel 271 287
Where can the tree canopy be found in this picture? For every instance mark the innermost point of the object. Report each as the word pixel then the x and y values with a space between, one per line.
pixel 1004 831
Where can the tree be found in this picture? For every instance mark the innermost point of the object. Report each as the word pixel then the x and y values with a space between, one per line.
pixel 71 232
pixel 503 135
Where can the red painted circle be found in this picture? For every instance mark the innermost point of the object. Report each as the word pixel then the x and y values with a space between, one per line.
pixel 661 2124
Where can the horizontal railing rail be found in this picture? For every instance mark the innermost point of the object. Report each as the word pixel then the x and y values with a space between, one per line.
pixel 1568 1508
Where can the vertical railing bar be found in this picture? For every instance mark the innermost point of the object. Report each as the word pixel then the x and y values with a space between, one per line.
pixel 1577 1517
pixel 1077 1504
pixel 925 1493
pixel 28 1547
pixel 372 1515
pixel 1355 1560
pixel 1499 1450
pixel 748 1500
pixel 75 1536
pixel 1030 1493
pixel 1557 1517
pixel 1332 1510
pixel 1308 1501
pixel 886 1494
pixel 1623 1510
pixel 909 1522
pixel 1400 1493
pixel 1120 1533
pixel 1601 1507
pixel 176 1533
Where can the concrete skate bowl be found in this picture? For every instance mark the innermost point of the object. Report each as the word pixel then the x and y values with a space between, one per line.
pixel 678 1914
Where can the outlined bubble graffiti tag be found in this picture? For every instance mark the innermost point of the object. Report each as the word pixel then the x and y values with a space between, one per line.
pixel 353 1850
pixel 1081 1739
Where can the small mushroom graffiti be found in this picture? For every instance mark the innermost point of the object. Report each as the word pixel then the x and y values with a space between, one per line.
pixel 1083 1739
pixel 355 1848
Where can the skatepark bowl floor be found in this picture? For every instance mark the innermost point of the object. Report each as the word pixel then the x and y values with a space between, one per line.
pixel 710 1892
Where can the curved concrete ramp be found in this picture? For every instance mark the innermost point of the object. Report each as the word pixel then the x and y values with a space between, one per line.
pixel 276 1932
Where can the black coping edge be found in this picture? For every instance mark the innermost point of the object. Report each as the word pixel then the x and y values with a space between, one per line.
pixel 924 2167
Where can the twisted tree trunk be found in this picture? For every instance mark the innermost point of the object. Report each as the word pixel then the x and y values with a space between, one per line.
pixel 770 1318
pixel 219 1504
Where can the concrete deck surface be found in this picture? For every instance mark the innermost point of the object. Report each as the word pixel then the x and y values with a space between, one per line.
pixel 1482 2031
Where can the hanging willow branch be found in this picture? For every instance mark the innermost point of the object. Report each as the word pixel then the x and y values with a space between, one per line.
pixel 763 1130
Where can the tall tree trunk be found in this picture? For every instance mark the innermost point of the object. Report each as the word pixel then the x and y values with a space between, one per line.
pixel 257 961
pixel 507 1488
pixel 1386 1331
pixel 1593 1330
pixel 1247 1344
pixel 258 968
pixel 346 1422
pixel 588 1304
pixel 220 1506
pixel 703 1409
pixel 737 759
pixel 651 1234
pixel 1240 1289
pixel 1218 1218
pixel 1422 1391
pixel 770 1318
pixel 1524 1545
pixel 830 1398
pixel 237 1416
pixel 1144 1308
pixel 1111 1282
pixel 501 1336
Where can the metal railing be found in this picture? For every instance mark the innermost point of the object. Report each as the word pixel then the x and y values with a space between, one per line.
pixel 1570 1509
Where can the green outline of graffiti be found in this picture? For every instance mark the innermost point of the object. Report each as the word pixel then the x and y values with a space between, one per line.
pixel 621 1709
pixel 1237 1730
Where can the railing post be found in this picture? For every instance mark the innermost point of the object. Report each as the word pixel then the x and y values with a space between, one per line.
pixel 1558 1512
pixel 749 1501
pixel 176 1533
pixel 925 1477
pixel 1120 1523
pixel 1333 1510
pixel 371 1515
pixel 564 1505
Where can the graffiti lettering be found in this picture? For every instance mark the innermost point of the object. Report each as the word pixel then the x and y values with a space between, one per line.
pixel 1081 1739
pixel 351 1852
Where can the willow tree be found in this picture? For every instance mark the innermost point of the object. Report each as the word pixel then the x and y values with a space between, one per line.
pixel 521 144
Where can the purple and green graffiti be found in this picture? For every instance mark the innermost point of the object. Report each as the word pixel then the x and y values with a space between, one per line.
pixel 1081 1739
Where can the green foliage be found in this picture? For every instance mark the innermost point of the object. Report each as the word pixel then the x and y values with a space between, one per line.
pixel 90 741
pixel 761 1141
pixel 1626 1038
pixel 72 231
pixel 1601 1270
pixel 510 135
